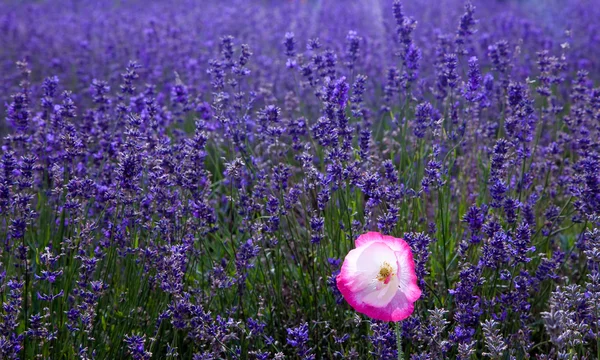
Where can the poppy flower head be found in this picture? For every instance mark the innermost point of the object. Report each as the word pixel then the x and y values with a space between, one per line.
pixel 378 277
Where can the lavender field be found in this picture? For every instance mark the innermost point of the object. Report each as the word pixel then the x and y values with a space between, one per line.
pixel 227 179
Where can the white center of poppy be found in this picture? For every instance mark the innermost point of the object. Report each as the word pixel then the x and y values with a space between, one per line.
pixel 377 275
pixel 384 287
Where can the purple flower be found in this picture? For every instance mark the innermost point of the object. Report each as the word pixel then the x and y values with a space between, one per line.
pixel 352 48
pixel 522 243
pixel 450 70
pixel 466 28
pixel 135 345
pixel 49 276
pixel 290 45
pixel 383 340
pixel 245 254
pixel 297 338
pixel 317 224
pixel 468 307
pixel 475 218
pixel 499 54
pixel 18 114
pixel 423 119
pixel 472 90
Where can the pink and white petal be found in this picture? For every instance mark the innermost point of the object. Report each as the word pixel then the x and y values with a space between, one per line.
pixel 353 278
pixel 381 297
pixel 353 297
pixel 398 309
pixel 374 255
pixel 396 244
pixel 413 292
pixel 368 237
pixel 407 277
pixel 362 265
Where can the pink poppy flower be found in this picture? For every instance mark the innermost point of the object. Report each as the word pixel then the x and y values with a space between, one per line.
pixel 378 277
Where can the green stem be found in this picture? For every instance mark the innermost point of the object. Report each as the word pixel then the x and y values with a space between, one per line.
pixel 399 340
